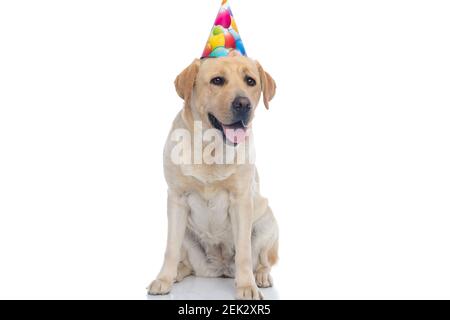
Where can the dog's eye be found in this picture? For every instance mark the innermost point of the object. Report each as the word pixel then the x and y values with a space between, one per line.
pixel 250 81
pixel 218 81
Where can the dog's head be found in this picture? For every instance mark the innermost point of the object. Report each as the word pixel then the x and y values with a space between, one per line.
pixel 224 93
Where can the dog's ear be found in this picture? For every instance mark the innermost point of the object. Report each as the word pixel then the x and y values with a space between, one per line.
pixel 184 83
pixel 269 87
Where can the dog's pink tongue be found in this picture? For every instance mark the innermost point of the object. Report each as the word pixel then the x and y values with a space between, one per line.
pixel 236 136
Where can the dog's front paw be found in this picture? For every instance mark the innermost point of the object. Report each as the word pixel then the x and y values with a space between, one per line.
pixel 249 293
pixel 159 287
pixel 263 279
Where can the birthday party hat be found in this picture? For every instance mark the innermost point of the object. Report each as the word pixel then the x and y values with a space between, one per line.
pixel 224 36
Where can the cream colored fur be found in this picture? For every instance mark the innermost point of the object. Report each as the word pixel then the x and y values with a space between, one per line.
pixel 218 223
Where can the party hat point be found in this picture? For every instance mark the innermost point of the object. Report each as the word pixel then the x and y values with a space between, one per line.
pixel 224 37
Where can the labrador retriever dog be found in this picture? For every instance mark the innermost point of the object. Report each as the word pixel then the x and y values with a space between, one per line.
pixel 218 223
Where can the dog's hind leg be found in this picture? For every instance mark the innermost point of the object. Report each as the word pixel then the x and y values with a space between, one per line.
pixel 184 271
pixel 267 258
pixel 184 267
pixel 265 248
pixel 197 259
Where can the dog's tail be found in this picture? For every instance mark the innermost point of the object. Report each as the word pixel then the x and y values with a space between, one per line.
pixel 272 254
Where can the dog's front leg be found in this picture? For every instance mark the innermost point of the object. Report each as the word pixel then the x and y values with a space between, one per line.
pixel 177 213
pixel 241 213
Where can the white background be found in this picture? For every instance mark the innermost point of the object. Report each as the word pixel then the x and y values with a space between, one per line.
pixel 354 154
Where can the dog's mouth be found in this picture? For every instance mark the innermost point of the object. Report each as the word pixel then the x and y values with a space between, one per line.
pixel 235 133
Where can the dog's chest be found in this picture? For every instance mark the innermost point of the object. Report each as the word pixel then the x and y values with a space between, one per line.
pixel 209 218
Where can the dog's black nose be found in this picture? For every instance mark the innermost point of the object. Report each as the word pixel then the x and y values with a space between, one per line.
pixel 241 105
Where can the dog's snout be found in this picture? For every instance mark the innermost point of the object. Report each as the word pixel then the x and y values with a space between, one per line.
pixel 241 105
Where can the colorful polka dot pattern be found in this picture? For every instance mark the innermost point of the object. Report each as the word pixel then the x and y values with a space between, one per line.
pixel 224 36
